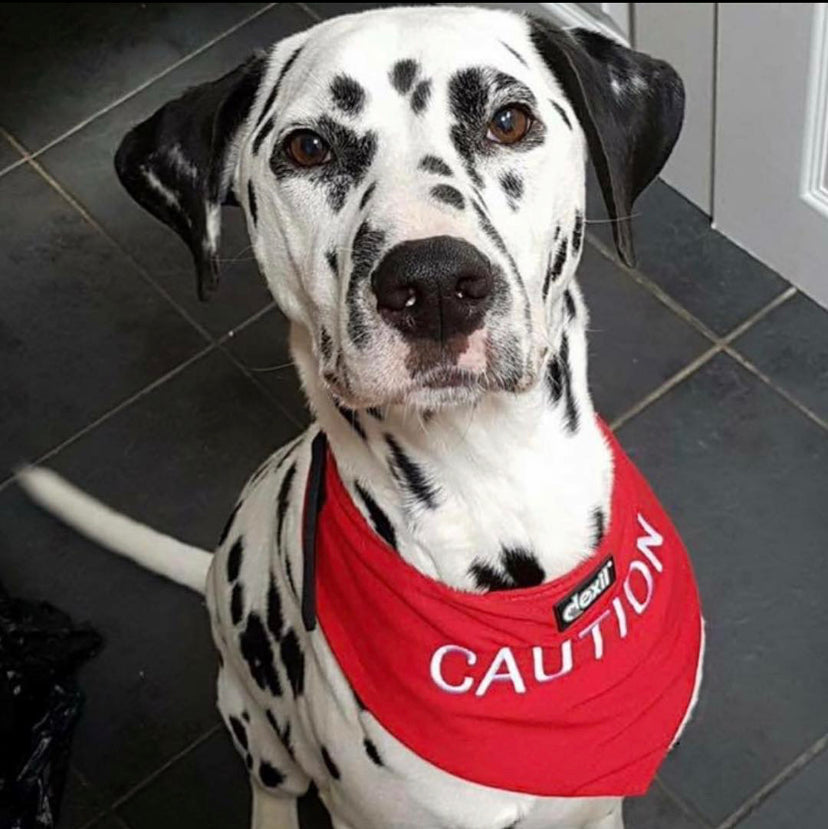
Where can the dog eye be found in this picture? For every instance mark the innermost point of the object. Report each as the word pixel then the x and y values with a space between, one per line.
pixel 509 125
pixel 307 149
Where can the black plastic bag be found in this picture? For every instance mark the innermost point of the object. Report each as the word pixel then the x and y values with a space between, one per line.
pixel 40 702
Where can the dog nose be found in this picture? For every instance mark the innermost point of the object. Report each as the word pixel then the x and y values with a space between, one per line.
pixel 433 288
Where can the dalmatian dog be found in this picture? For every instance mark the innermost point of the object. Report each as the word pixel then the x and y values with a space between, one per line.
pixel 413 181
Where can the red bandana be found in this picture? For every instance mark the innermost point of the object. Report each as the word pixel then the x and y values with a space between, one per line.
pixel 573 688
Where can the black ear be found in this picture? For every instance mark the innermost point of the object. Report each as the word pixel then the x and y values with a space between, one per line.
pixel 179 163
pixel 630 106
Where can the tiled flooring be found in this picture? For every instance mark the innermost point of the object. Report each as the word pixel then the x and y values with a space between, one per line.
pixel 714 370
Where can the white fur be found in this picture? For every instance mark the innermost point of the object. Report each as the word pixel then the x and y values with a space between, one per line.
pixel 154 551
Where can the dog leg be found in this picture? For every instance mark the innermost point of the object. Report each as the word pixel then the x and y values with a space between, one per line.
pixel 273 812
pixel 614 820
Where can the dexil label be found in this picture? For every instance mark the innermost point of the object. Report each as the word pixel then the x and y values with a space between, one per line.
pixel 571 608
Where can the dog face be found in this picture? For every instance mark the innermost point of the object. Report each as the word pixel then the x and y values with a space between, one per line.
pixel 413 181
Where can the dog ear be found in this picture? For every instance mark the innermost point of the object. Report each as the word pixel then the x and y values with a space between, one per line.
pixel 179 163
pixel 630 107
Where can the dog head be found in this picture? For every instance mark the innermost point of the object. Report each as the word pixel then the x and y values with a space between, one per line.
pixel 413 181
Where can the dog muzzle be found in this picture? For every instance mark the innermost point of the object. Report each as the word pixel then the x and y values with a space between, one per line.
pixel 574 688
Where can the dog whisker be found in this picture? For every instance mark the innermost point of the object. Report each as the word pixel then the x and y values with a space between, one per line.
pixel 262 369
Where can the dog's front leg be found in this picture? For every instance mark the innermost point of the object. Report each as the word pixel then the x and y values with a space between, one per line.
pixel 614 820
pixel 273 812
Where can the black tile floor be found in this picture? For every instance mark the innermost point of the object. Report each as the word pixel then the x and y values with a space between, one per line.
pixel 713 369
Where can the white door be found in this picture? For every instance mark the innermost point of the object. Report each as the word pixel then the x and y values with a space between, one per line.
pixel 770 188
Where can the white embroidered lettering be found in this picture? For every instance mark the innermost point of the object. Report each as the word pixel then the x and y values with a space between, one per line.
pixel 652 539
pixel 595 630
pixel 437 666
pixel 566 663
pixel 506 658
pixel 639 606
pixel 621 615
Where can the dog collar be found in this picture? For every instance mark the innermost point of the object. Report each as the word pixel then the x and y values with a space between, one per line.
pixel 574 688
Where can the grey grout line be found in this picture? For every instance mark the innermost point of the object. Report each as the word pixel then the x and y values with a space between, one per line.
pixel 171 761
pixel 684 805
pixel 236 330
pixel 142 272
pixel 801 407
pixel 656 290
pixel 775 783
pixel 719 344
pixel 245 370
pixel 141 87
pixel 14 165
pixel 219 344
pixel 115 410
pixel 99 813
pixel 665 387
pixel 309 11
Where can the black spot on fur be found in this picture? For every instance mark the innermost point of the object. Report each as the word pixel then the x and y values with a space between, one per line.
pixel 450 195
pixel 366 196
pixel 379 519
pixel 251 203
pixel 289 575
pixel 234 559
pixel 332 263
pixel 347 94
pixel 562 112
pixel 598 527
pixel 237 603
pixel 432 164
pixel 364 254
pixel 263 133
pixel 271 98
pixel 371 751
pixel 272 720
pixel 554 379
pixel 245 716
pixel 420 96
pixel 491 231
pixel 487 577
pixel 375 413
pixel 283 499
pixel 239 731
pixel 325 344
pixel 488 228
pixel 571 407
pixel 329 763
pixel 257 652
pixel 402 75
pixel 353 155
pixel 274 610
pixel 411 475
pixel 523 568
pixel 512 185
pixel 248 761
pixel 228 524
pixel 352 419
pixel 287 742
pixel 578 231
pixel 469 103
pixel 569 303
pixel 270 776
pixel 516 54
pixel 294 661
pixel 556 267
